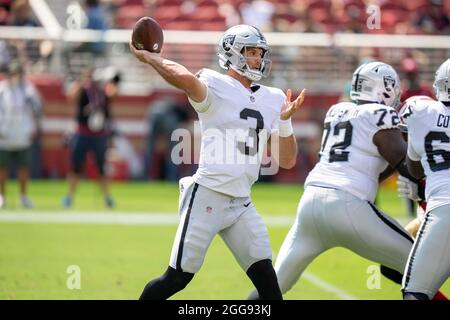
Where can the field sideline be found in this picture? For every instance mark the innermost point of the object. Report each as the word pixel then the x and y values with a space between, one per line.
pixel 119 250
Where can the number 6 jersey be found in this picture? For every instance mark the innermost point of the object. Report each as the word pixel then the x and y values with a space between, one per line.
pixel 236 123
pixel 349 160
pixel 428 123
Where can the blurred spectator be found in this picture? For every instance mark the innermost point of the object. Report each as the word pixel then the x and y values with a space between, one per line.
pixel 20 111
pixel 164 117
pixel 412 85
pixel 231 14
pixel 21 15
pixel 93 129
pixel 258 13
pixel 28 51
pixel 433 19
pixel 124 150
pixel 5 8
pixel 96 20
pixel 5 56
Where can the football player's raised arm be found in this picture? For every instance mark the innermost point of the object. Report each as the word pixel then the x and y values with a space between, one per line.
pixel 174 73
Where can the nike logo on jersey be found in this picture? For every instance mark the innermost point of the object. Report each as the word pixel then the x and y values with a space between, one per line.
pixel 247 204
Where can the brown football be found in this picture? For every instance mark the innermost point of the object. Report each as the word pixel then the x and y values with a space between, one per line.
pixel 147 35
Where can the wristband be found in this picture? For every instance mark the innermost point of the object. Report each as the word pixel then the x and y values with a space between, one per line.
pixel 285 128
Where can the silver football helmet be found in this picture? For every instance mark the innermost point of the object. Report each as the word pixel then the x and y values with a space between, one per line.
pixel 232 48
pixel 378 82
pixel 441 83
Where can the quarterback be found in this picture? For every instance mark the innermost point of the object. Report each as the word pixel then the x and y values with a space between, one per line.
pixel 216 200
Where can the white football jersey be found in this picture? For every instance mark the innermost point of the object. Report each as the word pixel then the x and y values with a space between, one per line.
pixel 235 123
pixel 349 160
pixel 428 124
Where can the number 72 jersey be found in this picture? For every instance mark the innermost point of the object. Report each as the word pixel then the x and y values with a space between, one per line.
pixel 428 123
pixel 349 160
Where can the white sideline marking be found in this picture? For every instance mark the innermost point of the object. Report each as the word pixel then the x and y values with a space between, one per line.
pixel 115 217
pixel 326 286
pixel 120 218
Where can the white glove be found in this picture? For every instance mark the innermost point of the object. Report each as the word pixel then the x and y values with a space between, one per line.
pixel 407 188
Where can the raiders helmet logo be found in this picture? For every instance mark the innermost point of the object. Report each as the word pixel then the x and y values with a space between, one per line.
pixel 389 83
pixel 228 42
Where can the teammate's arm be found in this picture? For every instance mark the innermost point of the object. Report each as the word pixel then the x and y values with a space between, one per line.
pixel 174 73
pixel 415 168
pixel 386 174
pixel 391 146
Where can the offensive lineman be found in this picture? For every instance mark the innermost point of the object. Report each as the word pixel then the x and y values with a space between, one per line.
pixel 217 198
pixel 361 145
pixel 428 125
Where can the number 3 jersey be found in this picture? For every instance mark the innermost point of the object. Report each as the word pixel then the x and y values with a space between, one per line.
pixel 235 124
pixel 349 160
pixel 428 123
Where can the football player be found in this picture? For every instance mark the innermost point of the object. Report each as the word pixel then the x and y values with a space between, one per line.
pixel 428 155
pixel 361 146
pixel 413 190
pixel 216 200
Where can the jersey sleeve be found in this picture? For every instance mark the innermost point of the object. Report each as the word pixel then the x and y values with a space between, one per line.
pixel 412 154
pixel 407 115
pixel 407 112
pixel 208 79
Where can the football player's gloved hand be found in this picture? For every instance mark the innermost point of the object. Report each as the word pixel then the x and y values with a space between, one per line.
pixel 407 188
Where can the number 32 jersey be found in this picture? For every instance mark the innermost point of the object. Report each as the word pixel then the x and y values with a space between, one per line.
pixel 428 123
pixel 235 124
pixel 349 160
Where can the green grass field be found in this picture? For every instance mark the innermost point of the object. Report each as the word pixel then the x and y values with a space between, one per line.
pixel 117 260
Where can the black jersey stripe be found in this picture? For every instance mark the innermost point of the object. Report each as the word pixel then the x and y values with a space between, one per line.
pixel 185 226
pixel 401 231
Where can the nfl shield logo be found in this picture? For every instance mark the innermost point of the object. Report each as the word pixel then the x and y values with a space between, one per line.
pixel 208 209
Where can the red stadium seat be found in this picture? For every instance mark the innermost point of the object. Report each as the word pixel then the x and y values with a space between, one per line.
pixel 169 2
pixel 217 25
pixel 390 17
pixel 167 13
pixel 127 16
pixel 207 3
pixel 180 25
pixel 322 4
pixel 206 13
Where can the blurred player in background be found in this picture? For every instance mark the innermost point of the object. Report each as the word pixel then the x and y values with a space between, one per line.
pixel 428 125
pixel 20 111
pixel 216 200
pixel 361 146
pixel 94 126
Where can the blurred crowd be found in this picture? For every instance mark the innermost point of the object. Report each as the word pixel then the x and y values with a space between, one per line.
pixel 396 16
